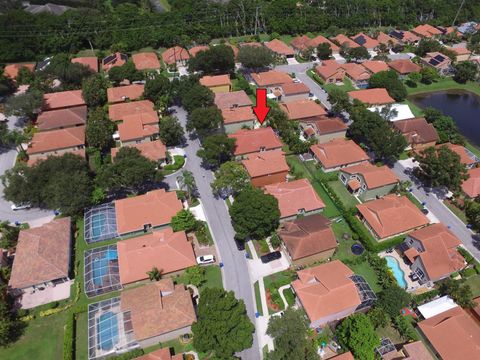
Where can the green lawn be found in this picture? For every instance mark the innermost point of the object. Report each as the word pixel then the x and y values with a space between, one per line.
pixel 213 276
pixel 473 281
pixel 274 282
pixel 390 332
pixel 81 341
pixel 443 84
pixel 364 269
pixel 458 212
pixel 348 200
pixel 42 340
pixel 258 300
pixel 347 86
pixel 414 200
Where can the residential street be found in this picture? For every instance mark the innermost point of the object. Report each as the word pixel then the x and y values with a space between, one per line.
pixel 235 270
pixel 436 206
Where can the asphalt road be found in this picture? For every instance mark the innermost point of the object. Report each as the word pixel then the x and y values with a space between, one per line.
pixel 235 271
pixel 437 208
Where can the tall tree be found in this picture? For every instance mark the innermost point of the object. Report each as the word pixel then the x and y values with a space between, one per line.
pixel 339 100
pixel 171 131
pixel 393 299
pixel 157 89
pixel 186 182
pixel 472 211
pixel 184 220
pixel 389 80
pixel 94 90
pixel 216 149
pixel 27 104
pixel 255 57
pixel 230 179
pixel 125 72
pixel 99 129
pixel 324 51
pixel 222 327
pixel 204 120
pixel 216 60
pixel 196 96
pixel 465 71
pixel 70 74
pixel 357 334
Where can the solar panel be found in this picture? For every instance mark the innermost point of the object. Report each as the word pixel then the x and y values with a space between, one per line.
pixel 109 59
pixel 397 34
pixel 360 40
pixel 439 58
pixel 433 62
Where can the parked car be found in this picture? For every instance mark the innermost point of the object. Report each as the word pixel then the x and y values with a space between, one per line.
pixel 16 207
pixel 425 211
pixel 240 244
pixel 271 256
pixel 205 259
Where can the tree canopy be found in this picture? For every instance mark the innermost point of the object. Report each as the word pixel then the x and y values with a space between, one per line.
pixel 216 60
pixel 99 129
pixel 389 80
pixel 230 179
pixel 357 334
pixel 204 120
pixel 393 299
pixel 171 131
pixel 94 90
pixel 324 51
pixel 157 89
pixel 184 220
pixel 472 211
pixel 125 72
pixel 465 71
pixel 216 149
pixel 27 104
pixel 70 74
pixel 195 96
pixel 255 57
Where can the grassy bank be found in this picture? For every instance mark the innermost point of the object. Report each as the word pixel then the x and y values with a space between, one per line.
pixel 442 85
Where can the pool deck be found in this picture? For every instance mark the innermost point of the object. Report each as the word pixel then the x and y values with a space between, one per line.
pixel 412 286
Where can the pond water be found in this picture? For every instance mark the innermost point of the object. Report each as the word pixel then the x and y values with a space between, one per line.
pixel 462 106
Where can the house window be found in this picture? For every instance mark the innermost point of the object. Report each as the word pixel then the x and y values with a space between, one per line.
pixel 420 273
pixel 343 179
pixel 301 211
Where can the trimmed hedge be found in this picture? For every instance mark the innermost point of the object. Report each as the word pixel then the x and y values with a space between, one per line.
pixel 466 273
pixel 129 355
pixel 69 337
pixel 466 254
pixel 427 296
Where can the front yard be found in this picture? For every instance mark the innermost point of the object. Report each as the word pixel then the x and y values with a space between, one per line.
pixel 348 200
pixel 272 284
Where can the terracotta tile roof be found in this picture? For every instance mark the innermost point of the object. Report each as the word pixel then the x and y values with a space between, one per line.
pixel 320 40
pixel 342 39
pixel 160 354
pixel 372 96
pixel 356 71
pixel 301 42
pixel 354 184
pixel 307 236
pixel 392 215
pixel 465 158
pixel 236 115
pixel 279 47
pixel 153 150
pixel 416 351
pixel 365 41
pixel 123 93
pixel 265 163
pixel 46 141
pixel 155 310
pixel 411 254
pixel 301 109
pixel 426 30
pixel 270 78
pixel 11 70
pixel 117 112
pixel 404 66
pixel 326 125
pixel 174 54
pixel 166 250
pixel 435 63
pixel 117 59
pixel 338 152
pixel 216 80
pixel 417 131
pixel 328 68
pixel 252 141
pixel 465 344
pixel 326 289
pixel 459 50
pixel 146 61
pixel 134 128
pixel 89 61
pixel 471 186
pixel 407 36
pixel 295 89
pixel 375 66
pixel 294 196
pixel 154 208
pixel 385 39
pixel 55 119
pixel 196 49
pixel 63 99
pixel 375 176
pixel 440 256
pixel 42 254
pixel 344 356
pixel 232 99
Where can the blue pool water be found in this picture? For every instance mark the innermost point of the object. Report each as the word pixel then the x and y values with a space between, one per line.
pixel 392 263
pixel 100 266
pixel 107 331
pixel 98 221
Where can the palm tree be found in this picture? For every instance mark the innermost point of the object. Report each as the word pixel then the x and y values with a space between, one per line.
pixel 154 274
pixel 186 181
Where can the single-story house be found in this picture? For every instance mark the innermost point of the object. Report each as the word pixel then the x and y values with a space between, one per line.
pixel 300 43
pixel 271 80
pixel 217 83
pixel 324 129
pixel 345 356
pixel 163 354
pixel 426 31
pixel 438 61
pixel 358 74
pixel 453 334
pixel 146 61
pixel 89 61
pixel 413 351
pixel 294 91
pixel 168 251
pixel 307 240
pixel 319 39
pixel 196 49
pixel 395 112
pixel 159 312
pixel 366 41
pixel 391 216
pixel 329 293
pixel 375 66
pixel 266 167
pixel 235 119
pixel 418 133
pixel 125 93
pixel 11 70
pixel 153 150
pixel 117 112
pixel 330 71
pixel 42 258
pixel 387 40
pixel 256 140
pixel 138 128
pixel 471 186
pixel 117 59
pixel 338 153
pixel 56 142
pixel 280 49
pixel 62 118
pixel 63 100
pixel 295 198
pixel 343 40
pixel 467 158
pixel 232 99
pixel 176 55
pixel 463 54
pixel 432 253
pixel 368 181
pixel 377 96
pixel 142 213
pixel 403 67
pixel 405 37
pixel 303 110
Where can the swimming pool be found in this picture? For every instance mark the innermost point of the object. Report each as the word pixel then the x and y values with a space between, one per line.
pixel 100 266
pixel 393 264
pixel 107 331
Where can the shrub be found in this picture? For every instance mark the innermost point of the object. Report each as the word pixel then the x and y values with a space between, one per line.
pixel 477 268
pixel 275 241
pixel 178 162
pixel 466 254
pixel 129 355
pixel 405 328
pixel 427 296
pixel 69 337
pixel 466 273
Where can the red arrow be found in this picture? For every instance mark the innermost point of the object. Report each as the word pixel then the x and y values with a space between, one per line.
pixel 261 109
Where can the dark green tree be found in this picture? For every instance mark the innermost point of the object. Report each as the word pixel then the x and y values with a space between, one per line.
pixel 230 179
pixel 389 80
pixel 157 87
pixel 461 293
pixel 171 131
pixel 94 90
pixel 392 300
pixel 428 74
pixel 204 120
pixel 472 211
pixel 357 334
pixel 27 104
pixel 324 51
pixel 216 149
pixel 197 96
pixel 25 76
pixel 184 220
pixel 465 71
pixel 70 74
pixel 427 45
pixel 216 60
pixel 125 72
pixel 339 100
pixel 255 57
pixel 378 317
pixel 254 214
pixel 222 327
pixel 9 235
pixel 447 130
pixel 99 129
pixel 358 53
pixel 7 86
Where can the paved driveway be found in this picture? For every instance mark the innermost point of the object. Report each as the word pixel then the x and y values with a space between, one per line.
pixel 235 271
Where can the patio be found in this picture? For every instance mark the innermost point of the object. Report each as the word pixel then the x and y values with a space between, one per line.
pixel 48 295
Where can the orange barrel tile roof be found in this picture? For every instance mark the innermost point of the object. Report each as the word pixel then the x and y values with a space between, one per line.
pixel 342 39
pixel 416 351
pixel 392 215
pixel 62 118
pixel 215 80
pixel 301 42
pixel 146 61
pixel 321 40
pixel 345 356
pixel 354 184
pixel 327 68
pixel 196 49
pixel 46 141
pixel 89 61
pixel 417 130
pixel 356 71
pixel 32 161
pixel 375 66
pixel 117 112
pixel 295 196
pixel 155 208
pixel 404 66
pixel 338 152
pixel 123 93
pixel 164 249
pixel 426 30
pixel 385 39
pixel 471 186
pixel 133 127
pixel 375 176
pixel 226 100
pixel 326 289
pixel 327 125
pixel 153 150
pixel 265 163
pixel 251 141
pixel 279 47
pixel 270 78
pixel 117 59
pixel 295 89
pixel 239 114
pixel 377 96
pixel 174 54
pixel 307 236
pixel 63 99
pixel 160 354
pixel 459 50
pixel 302 109
pixel 42 254
pixel 365 41
pixel 11 70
